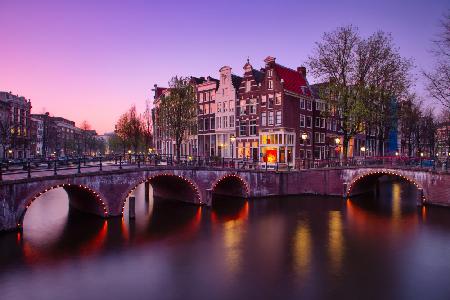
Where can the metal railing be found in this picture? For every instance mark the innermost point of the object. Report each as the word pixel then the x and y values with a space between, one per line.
pixel 55 166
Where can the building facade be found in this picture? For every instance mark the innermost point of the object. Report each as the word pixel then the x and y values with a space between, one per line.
pixel 18 138
pixel 247 119
pixel 206 98
pixel 226 96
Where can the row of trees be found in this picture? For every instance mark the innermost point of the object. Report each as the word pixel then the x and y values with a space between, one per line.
pixel 367 84
pixel 363 77
pixel 133 132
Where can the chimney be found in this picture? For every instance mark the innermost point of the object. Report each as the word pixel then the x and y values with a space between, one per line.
pixel 269 60
pixel 302 70
pixel 155 90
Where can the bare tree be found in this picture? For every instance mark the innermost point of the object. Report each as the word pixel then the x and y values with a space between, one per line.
pixel 85 135
pixel 439 78
pixel 384 76
pixel 5 134
pixel 364 77
pixel 333 61
pixel 147 125
pixel 130 129
pixel 178 110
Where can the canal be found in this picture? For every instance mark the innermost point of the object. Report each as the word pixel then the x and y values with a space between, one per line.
pixel 370 247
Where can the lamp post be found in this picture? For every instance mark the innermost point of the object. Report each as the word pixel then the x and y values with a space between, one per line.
pixel 363 150
pixel 337 141
pixel 232 140
pixel 304 137
pixel 421 158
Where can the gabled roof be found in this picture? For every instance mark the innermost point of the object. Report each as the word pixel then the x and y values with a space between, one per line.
pixel 293 80
pixel 236 81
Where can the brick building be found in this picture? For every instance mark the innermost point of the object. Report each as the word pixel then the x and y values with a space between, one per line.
pixel 17 130
pixel 206 98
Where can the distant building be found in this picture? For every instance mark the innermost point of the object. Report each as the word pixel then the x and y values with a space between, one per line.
pixel 443 141
pixel 60 137
pixel 17 140
pixel 37 137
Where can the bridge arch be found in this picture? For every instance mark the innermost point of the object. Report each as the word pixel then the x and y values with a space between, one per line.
pixel 80 196
pixel 369 177
pixel 172 186
pixel 231 185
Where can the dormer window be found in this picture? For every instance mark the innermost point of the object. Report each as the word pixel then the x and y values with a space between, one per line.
pixel 269 73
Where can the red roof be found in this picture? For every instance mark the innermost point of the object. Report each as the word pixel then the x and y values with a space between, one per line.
pixel 293 80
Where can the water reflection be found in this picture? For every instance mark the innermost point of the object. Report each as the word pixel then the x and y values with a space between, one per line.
pixel 303 248
pixel 278 248
pixel 335 241
pixel 228 219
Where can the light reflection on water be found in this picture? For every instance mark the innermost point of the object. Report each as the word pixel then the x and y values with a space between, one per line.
pixel 291 247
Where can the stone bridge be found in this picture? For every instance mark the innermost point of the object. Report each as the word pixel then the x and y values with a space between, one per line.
pixel 104 193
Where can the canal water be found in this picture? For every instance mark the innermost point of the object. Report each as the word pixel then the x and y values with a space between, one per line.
pixel 298 247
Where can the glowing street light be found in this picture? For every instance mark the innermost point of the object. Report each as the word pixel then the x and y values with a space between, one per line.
pixel 304 136
pixel 337 141
pixel 232 140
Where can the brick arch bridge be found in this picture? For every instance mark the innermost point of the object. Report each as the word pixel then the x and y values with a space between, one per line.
pixel 104 193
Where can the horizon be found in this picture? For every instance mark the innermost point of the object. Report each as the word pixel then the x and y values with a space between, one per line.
pixel 107 56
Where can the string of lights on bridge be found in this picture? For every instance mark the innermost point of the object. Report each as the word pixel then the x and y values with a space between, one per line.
pixel 94 193
pixel 383 173
pixel 194 187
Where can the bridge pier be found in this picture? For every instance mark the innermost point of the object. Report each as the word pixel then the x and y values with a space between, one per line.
pixel 420 197
pixel 132 207
pixel 147 191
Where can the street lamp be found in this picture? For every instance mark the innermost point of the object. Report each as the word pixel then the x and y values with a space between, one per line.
pixel 421 156
pixel 363 150
pixel 304 137
pixel 337 140
pixel 232 140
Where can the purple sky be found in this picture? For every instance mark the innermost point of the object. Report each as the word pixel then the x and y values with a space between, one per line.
pixel 87 61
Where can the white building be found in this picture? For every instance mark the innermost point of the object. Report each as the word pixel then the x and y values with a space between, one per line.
pixel 226 97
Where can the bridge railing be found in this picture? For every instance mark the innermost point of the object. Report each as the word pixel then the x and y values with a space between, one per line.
pixel 424 164
pixel 54 166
